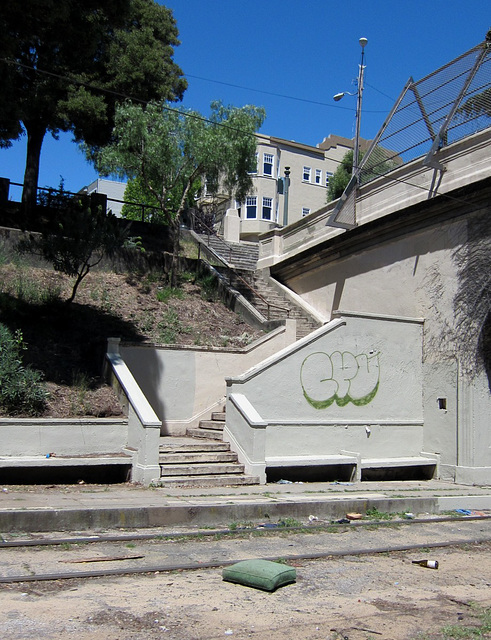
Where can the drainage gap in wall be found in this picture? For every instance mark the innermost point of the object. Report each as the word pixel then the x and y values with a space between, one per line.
pixel 95 474
pixel 421 472
pixel 314 473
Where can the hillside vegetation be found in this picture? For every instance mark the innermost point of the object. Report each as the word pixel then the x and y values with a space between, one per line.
pixel 67 342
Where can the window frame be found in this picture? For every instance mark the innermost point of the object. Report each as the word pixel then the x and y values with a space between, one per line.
pixel 266 157
pixel 248 205
pixel 265 206
pixel 307 171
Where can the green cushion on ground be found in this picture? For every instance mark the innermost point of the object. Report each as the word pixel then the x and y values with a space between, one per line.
pixel 260 574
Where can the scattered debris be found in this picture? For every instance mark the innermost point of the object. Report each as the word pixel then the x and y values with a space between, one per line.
pixel 430 564
pixel 354 516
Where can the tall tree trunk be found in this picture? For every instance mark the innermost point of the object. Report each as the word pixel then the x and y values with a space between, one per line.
pixel 35 137
pixel 174 270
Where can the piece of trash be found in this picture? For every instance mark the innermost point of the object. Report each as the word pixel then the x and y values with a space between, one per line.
pixel 5 490
pixel 267 525
pixel 343 521
pixel 48 455
pixel 313 518
pixel 463 512
pixel 284 482
pixel 229 632
pixel 430 564
pixel 354 516
pixel 409 516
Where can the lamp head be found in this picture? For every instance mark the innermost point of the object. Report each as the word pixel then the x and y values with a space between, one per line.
pixel 338 96
pixel 363 42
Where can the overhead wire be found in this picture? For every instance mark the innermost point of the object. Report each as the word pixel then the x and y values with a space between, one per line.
pixel 191 114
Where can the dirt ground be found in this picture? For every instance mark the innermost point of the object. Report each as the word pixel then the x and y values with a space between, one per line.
pixel 67 342
pixel 339 598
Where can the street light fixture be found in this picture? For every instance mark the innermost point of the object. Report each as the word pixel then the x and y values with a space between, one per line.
pixel 359 94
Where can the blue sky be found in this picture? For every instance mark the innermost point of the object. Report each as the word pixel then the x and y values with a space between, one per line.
pixel 260 51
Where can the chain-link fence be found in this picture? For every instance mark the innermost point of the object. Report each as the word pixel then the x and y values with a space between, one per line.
pixel 448 105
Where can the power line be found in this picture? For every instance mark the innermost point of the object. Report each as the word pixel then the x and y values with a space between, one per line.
pixel 278 95
pixel 93 87
pixel 126 96
pixel 196 116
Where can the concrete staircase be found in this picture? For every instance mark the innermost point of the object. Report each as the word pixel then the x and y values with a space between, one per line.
pixel 201 458
pixel 280 306
pixel 239 256
pixel 199 462
pixel 271 303
pixel 210 429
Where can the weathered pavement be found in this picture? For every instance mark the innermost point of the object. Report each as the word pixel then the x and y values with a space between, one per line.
pixel 92 507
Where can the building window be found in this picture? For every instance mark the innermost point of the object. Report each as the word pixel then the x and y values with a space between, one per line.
pixel 318 176
pixel 328 177
pixel 306 174
pixel 267 208
pixel 268 164
pixel 305 211
pixel 251 207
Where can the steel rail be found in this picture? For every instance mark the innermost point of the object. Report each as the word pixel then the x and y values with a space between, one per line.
pixel 194 566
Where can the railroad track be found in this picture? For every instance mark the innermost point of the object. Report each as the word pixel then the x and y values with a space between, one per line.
pixel 68 556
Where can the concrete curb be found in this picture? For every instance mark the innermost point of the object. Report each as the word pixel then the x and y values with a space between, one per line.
pixel 221 512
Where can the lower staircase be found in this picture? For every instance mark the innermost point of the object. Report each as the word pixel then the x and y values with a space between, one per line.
pixel 201 459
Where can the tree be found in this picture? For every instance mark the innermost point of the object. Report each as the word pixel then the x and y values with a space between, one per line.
pixel 378 163
pixel 340 178
pixel 64 66
pixel 77 238
pixel 169 150
pixel 146 207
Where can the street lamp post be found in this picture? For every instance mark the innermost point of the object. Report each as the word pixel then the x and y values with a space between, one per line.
pixel 359 95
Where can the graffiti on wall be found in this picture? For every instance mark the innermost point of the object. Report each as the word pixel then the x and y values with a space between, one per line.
pixel 340 377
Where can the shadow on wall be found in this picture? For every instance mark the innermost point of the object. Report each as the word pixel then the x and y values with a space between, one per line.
pixel 485 347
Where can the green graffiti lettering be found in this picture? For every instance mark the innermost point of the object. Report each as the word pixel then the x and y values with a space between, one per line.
pixel 340 377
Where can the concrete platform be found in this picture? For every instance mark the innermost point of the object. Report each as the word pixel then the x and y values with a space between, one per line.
pixel 92 507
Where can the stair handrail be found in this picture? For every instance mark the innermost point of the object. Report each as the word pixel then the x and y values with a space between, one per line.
pixel 210 232
pixel 231 270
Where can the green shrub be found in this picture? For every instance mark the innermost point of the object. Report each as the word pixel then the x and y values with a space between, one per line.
pixel 21 388
pixel 165 293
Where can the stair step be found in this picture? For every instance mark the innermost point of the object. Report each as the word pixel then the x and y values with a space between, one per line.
pixel 212 424
pixel 219 415
pixel 194 447
pixel 192 458
pixel 217 480
pixel 201 469
pixel 209 434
